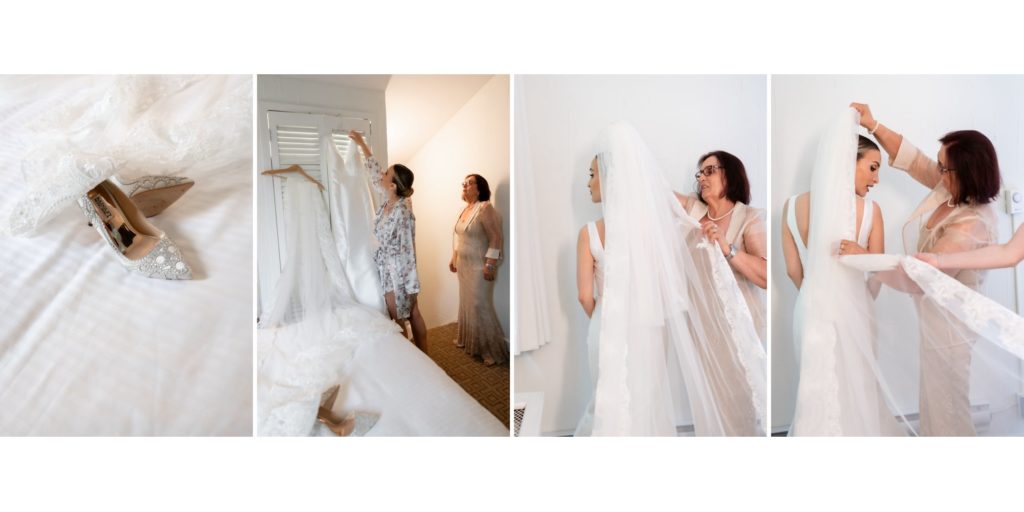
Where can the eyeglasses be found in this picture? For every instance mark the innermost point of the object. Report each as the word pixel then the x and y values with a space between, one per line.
pixel 943 169
pixel 707 171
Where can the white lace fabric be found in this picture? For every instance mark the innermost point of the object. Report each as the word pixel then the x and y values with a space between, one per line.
pixel 94 127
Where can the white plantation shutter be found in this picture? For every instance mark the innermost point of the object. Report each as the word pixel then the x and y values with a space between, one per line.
pixel 298 144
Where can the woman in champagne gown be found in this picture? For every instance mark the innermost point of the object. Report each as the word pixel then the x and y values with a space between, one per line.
pixel 722 208
pixel 477 252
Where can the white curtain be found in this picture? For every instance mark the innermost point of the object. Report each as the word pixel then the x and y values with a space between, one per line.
pixel 530 316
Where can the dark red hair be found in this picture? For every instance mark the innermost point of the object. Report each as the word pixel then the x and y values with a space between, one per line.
pixel 972 157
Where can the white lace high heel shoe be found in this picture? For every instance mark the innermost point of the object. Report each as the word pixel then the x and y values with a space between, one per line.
pixel 140 247
pixel 153 194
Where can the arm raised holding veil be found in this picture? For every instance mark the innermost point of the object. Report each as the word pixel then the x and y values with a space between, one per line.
pixel 923 169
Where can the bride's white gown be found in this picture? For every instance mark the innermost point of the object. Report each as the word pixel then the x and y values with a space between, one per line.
pixel 820 380
pixel 586 423
pixel 864 228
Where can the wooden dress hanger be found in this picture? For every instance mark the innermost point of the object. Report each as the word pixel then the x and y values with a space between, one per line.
pixel 294 168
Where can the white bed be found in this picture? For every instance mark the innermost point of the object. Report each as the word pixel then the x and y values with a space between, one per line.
pixel 87 348
pixel 413 396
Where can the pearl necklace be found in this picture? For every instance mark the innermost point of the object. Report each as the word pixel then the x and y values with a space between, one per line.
pixel 724 215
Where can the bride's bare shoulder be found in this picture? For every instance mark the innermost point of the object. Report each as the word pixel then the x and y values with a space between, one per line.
pixel 584 235
pixel 599 224
pixel 685 199
pixel 800 201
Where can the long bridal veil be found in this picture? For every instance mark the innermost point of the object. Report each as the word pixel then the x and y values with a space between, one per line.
pixel 841 390
pixel 671 310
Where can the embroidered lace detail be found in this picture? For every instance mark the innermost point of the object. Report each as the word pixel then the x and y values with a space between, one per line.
pixel 750 355
pixel 979 313
pixel 132 125
pixel 146 183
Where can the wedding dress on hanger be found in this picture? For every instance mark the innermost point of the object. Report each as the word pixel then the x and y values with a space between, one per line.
pixel 352 217
pixel 317 316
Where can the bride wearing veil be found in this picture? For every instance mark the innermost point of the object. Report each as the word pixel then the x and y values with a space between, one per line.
pixel 839 392
pixel 670 311
pixel 843 389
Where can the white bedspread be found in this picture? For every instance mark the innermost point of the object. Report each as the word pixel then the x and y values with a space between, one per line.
pixel 414 397
pixel 89 349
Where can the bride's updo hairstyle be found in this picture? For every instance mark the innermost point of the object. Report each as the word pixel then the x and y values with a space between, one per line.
pixel 403 180
pixel 864 145
pixel 971 158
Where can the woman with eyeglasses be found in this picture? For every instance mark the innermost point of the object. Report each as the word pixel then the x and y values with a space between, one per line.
pixel 476 253
pixel 957 216
pixel 720 205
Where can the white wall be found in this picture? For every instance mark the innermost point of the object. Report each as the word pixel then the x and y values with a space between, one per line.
pixel 680 117
pixel 287 93
pixel 922 109
pixel 474 140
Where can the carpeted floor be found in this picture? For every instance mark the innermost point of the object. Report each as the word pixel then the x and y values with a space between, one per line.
pixel 487 384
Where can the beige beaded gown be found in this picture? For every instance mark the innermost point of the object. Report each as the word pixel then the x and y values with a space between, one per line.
pixel 480 333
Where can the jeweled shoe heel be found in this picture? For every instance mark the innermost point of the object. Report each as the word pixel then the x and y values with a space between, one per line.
pixel 153 194
pixel 139 246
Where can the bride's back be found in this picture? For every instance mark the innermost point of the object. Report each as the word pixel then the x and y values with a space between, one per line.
pixel 803 210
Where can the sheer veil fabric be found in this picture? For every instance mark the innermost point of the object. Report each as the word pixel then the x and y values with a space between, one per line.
pixel 841 390
pixel 960 335
pixel 672 311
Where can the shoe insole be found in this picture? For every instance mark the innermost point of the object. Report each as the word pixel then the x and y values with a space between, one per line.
pixel 152 202
pixel 129 240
